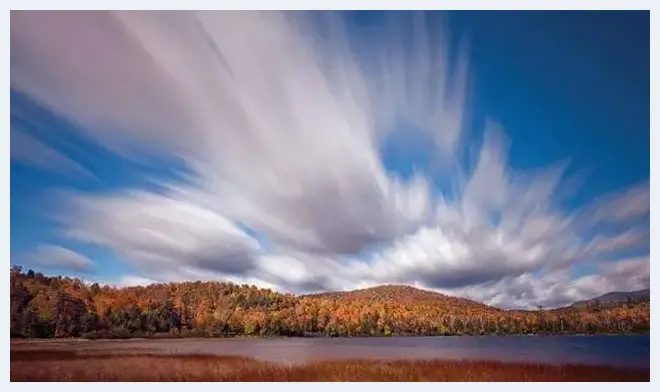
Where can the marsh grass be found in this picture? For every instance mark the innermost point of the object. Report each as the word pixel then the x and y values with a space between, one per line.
pixel 96 365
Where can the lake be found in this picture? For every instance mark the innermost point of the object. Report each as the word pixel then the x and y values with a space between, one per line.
pixel 625 351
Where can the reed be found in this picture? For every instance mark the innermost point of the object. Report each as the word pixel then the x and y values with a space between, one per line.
pixel 97 365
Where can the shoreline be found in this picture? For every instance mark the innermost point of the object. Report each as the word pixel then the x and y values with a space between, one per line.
pixel 275 337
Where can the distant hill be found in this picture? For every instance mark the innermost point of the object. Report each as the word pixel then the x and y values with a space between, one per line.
pixel 404 294
pixel 616 297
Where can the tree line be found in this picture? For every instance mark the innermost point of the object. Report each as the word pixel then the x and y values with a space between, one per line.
pixel 63 307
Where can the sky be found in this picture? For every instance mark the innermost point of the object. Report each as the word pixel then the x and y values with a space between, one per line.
pixel 497 156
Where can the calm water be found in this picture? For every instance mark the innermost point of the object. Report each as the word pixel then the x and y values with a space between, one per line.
pixel 632 351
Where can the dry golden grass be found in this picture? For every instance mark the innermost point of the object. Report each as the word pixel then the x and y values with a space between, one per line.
pixel 35 365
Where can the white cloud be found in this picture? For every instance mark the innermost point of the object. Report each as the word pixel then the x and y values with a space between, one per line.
pixel 621 207
pixel 157 233
pixel 631 239
pixel 54 256
pixel 282 133
pixel 132 280
pixel 560 288
pixel 277 143
pixel 29 150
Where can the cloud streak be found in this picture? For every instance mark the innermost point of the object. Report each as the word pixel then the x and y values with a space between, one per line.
pixel 31 151
pixel 54 256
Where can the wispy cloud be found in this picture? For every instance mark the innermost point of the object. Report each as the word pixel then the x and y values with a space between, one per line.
pixel 31 151
pixel 54 256
pixel 159 233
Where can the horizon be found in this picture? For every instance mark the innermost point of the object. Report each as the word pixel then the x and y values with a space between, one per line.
pixel 501 157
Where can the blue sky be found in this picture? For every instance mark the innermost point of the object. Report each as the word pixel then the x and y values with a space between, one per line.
pixel 502 156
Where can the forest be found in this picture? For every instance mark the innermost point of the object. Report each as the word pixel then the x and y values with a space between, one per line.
pixel 62 307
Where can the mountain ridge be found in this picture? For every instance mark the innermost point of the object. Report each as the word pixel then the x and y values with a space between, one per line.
pixel 615 297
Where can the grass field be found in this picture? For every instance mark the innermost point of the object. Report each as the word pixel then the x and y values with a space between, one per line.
pixel 127 365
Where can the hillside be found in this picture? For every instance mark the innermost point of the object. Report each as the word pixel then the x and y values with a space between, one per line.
pixel 61 307
pixel 402 293
pixel 616 297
